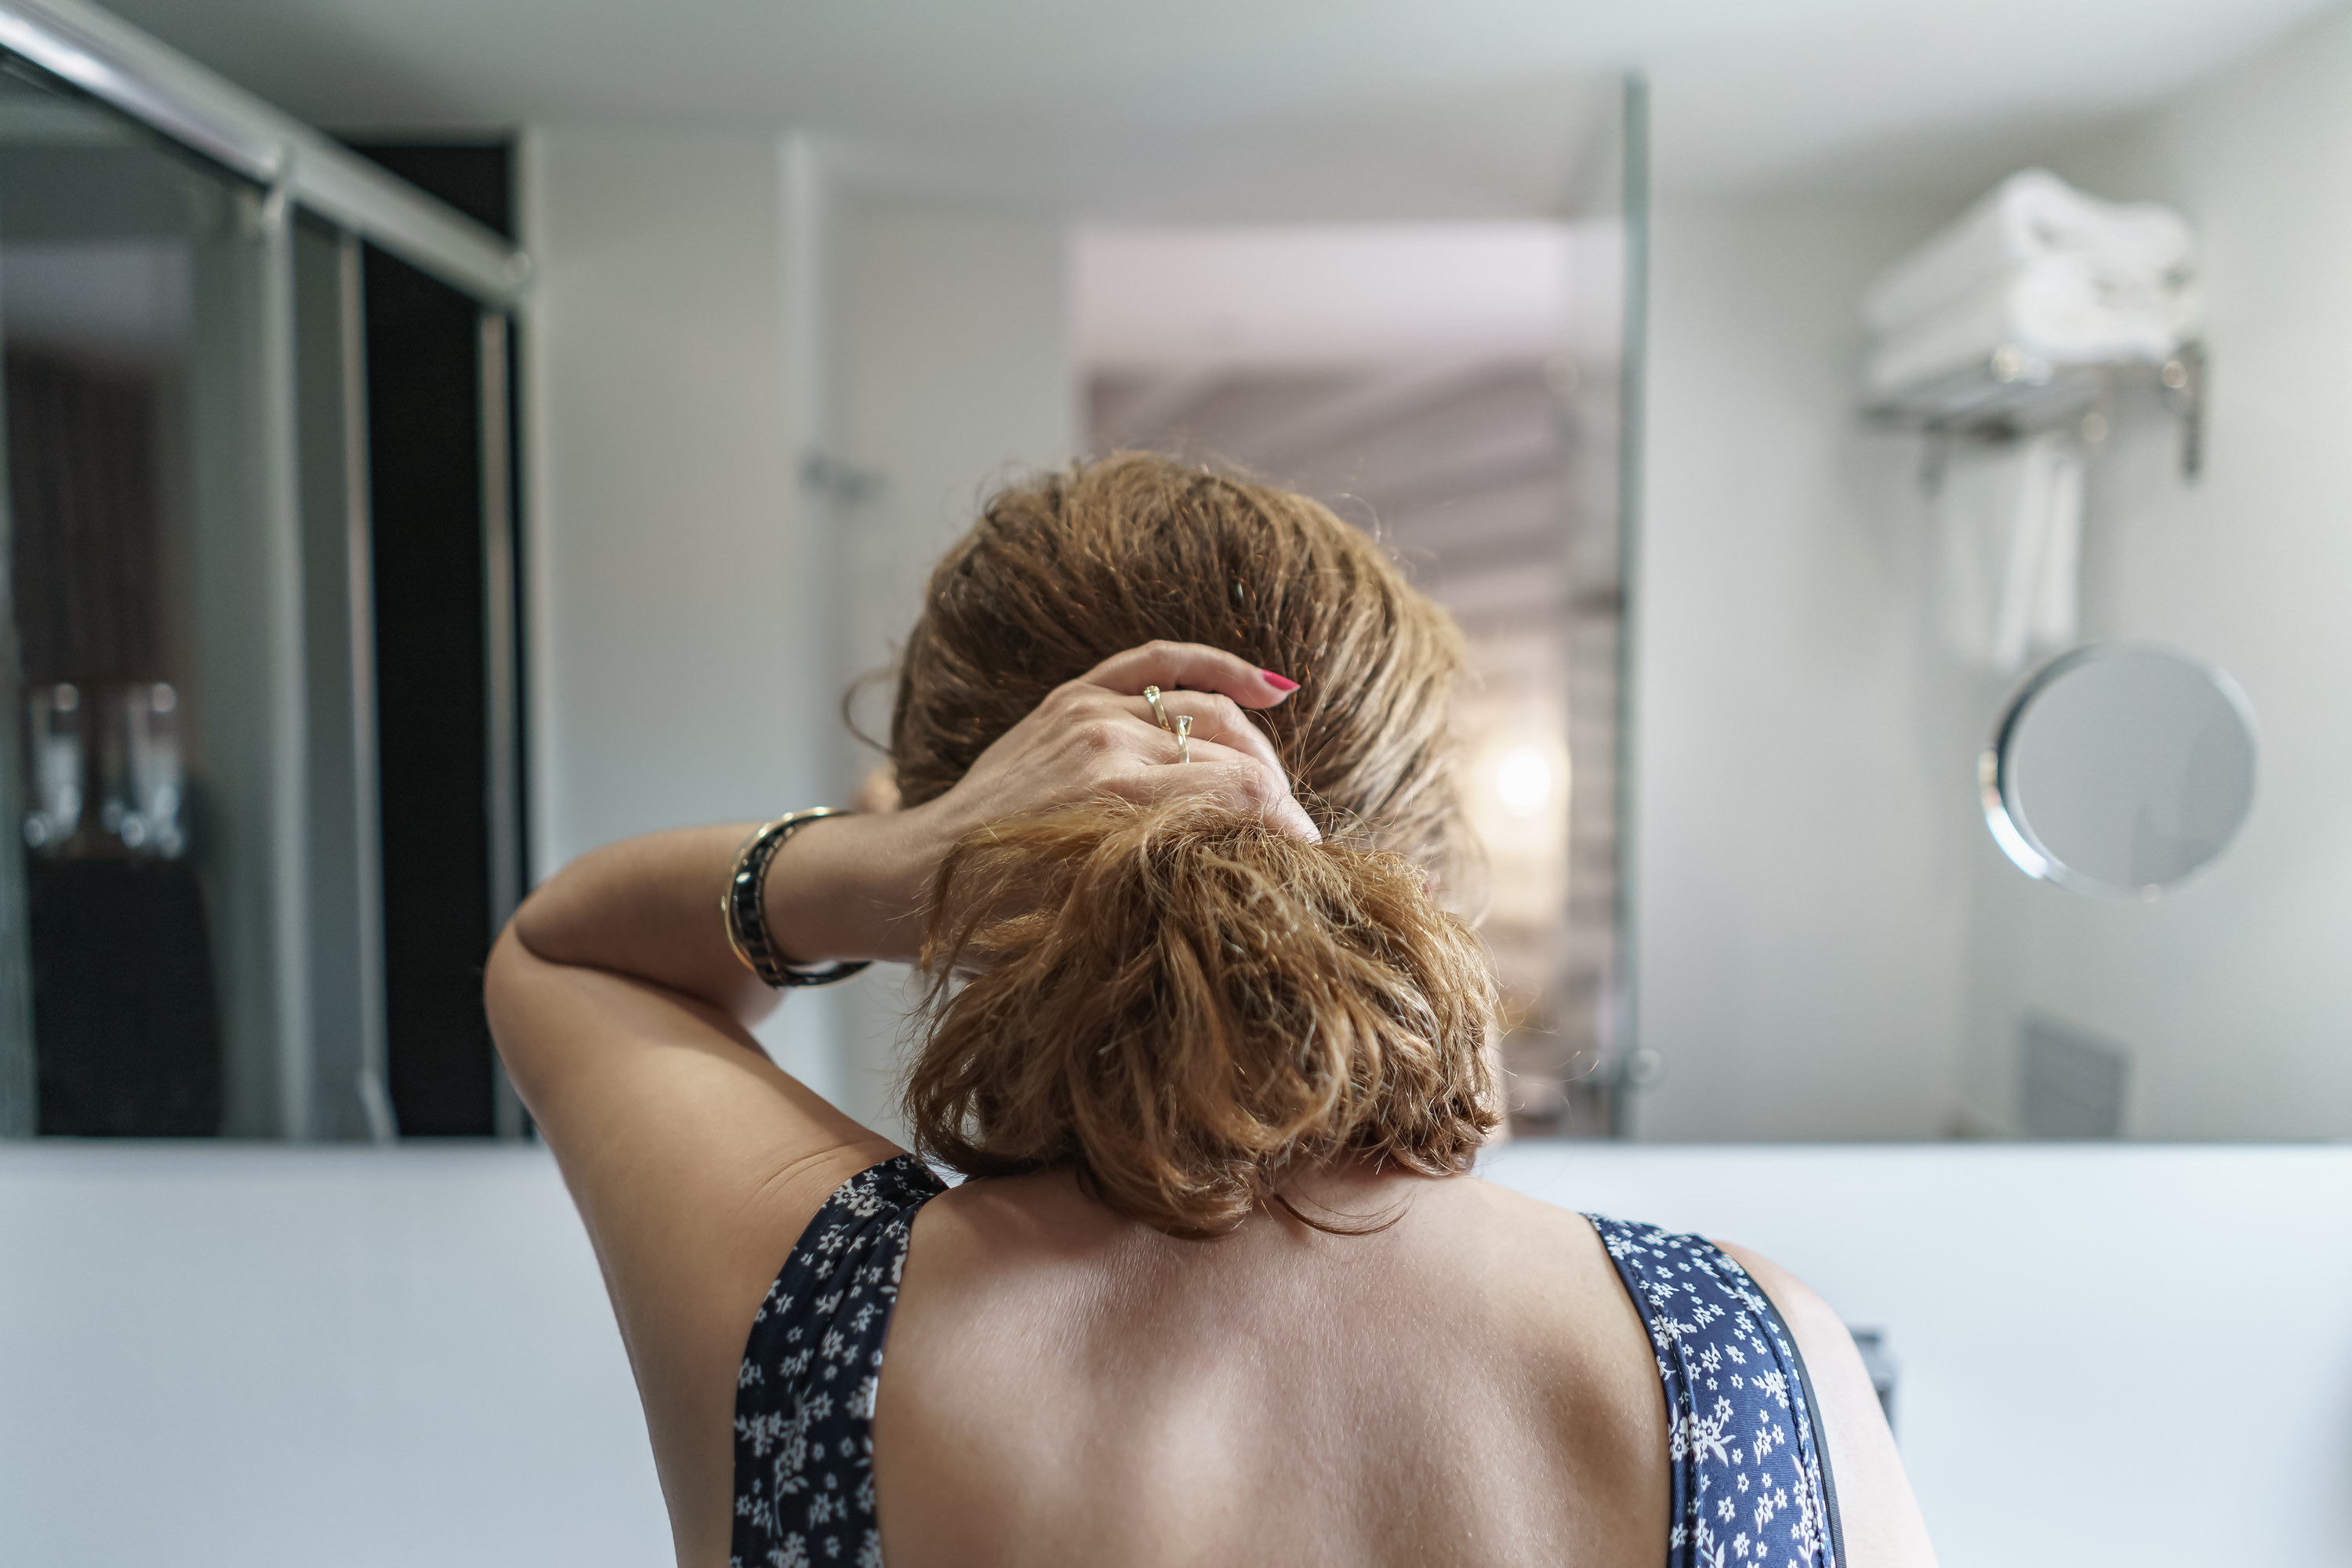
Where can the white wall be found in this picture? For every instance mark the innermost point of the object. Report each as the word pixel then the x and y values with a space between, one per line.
pixel 712 308
pixel 678 652
pixel 671 605
pixel 1800 912
pixel 2234 992
pixel 950 372
pixel 285 1355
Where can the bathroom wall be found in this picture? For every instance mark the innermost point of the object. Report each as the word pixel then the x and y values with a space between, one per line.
pixel 676 622
pixel 1829 944
pixel 664 502
pixel 1801 895
pixel 950 371
pixel 712 309
pixel 2232 993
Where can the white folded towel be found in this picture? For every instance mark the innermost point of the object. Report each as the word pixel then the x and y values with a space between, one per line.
pixel 2055 310
pixel 2033 217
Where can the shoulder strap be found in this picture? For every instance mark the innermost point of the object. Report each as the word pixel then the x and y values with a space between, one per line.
pixel 804 1396
pixel 1751 1470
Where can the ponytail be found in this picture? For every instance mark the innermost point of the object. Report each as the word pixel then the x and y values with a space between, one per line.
pixel 1184 1006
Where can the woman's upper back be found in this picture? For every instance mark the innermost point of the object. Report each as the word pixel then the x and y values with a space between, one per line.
pixel 1471 1385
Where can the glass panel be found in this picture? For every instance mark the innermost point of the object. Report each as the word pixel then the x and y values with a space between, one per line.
pixel 1586 1053
pixel 147 712
pixel 196 934
pixel 343 864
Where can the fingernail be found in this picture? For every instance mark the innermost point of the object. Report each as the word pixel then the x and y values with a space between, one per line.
pixel 1279 683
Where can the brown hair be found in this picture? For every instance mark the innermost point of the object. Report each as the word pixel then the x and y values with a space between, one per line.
pixel 1176 1000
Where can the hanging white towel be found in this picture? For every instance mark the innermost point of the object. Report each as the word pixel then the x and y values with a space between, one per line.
pixel 1976 512
pixel 2012 522
pixel 2056 613
pixel 2034 217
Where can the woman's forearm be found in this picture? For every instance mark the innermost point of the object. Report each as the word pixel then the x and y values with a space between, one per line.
pixel 844 887
pixel 649 907
pixel 850 888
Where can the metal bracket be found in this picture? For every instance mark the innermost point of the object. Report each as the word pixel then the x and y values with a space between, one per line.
pixel 2183 380
pixel 2010 396
pixel 843 484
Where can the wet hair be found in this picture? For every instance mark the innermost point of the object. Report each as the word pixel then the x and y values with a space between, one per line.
pixel 1176 1001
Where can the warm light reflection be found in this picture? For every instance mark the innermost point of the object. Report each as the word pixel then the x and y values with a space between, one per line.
pixel 1523 780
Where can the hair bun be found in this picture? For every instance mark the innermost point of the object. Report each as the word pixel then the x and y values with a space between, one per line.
pixel 1184 1003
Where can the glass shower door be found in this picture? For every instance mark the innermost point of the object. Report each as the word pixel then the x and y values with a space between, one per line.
pixel 257 507
pixel 152 876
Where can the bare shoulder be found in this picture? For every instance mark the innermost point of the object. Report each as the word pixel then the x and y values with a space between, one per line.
pixel 1553 1233
pixel 1552 1295
pixel 1880 1517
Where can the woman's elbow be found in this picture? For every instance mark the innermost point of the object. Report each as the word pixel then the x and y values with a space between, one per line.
pixel 505 1003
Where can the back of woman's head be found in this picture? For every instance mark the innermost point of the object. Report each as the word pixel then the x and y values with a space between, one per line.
pixel 1177 1000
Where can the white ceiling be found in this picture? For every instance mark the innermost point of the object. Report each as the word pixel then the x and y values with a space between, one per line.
pixel 1262 109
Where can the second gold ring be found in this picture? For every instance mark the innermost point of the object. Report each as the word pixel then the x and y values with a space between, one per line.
pixel 1183 737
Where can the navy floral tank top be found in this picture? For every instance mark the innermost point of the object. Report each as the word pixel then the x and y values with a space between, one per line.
pixel 1750 1471
pixel 1751 1485
pixel 804 1396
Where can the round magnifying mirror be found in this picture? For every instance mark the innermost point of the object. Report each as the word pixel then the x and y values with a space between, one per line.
pixel 2119 770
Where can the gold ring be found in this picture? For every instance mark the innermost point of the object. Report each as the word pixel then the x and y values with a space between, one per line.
pixel 1183 737
pixel 1151 695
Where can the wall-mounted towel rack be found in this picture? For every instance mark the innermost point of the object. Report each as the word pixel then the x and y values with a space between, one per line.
pixel 2013 393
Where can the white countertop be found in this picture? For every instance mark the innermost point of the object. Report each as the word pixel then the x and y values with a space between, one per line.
pixel 261 1354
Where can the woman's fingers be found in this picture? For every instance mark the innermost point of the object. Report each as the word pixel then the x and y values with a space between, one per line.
pixel 1215 718
pixel 1189 666
pixel 1096 733
pixel 1219 728
pixel 1226 777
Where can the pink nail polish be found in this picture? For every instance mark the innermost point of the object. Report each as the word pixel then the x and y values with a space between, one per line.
pixel 1279 683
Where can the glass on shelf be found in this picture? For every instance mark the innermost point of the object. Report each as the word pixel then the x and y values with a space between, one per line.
pixel 137 764
pixel 143 780
pixel 54 749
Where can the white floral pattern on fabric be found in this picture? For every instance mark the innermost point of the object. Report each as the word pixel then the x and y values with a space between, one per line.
pixel 804 1394
pixel 1752 1487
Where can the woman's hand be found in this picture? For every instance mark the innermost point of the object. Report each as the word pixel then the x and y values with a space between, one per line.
pixel 854 887
pixel 1097 735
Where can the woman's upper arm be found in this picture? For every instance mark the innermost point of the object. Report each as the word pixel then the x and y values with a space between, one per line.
pixel 1879 1517
pixel 696 1163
